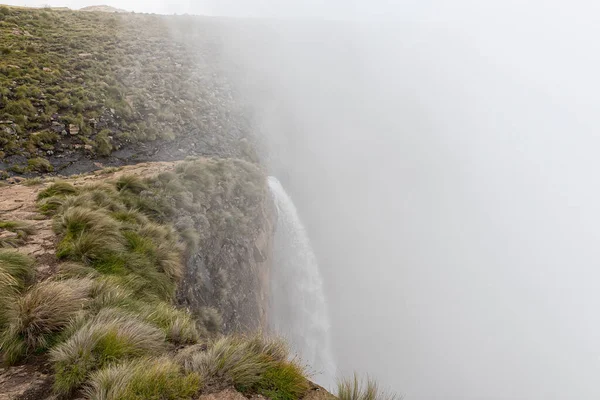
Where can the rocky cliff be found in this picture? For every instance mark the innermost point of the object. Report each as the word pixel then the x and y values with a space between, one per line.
pixel 220 208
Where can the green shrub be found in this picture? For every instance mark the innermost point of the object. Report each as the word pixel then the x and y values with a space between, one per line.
pixel 45 139
pixel 141 380
pixel 104 143
pixel 37 316
pixel 355 389
pixel 108 337
pixel 40 165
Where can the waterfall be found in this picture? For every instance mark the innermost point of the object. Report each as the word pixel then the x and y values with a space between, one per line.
pixel 298 306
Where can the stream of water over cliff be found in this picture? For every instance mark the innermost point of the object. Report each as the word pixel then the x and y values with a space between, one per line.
pixel 298 305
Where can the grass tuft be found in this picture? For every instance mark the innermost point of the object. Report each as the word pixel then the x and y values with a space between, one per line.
pixel 283 381
pixel 131 183
pixel 89 235
pixel 143 379
pixel 21 230
pixel 110 336
pixel 39 315
pixel 16 270
pixel 178 325
pixel 356 389
pixel 58 189
pixel 237 361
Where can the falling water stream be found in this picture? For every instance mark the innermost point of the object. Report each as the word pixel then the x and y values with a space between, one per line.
pixel 298 305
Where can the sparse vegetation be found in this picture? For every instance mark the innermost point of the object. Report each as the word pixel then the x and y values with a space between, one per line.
pixel 40 164
pixel 19 232
pixel 16 271
pixel 33 181
pixel 355 389
pixel 91 83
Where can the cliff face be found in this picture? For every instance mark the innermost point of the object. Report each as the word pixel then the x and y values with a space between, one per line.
pixel 232 276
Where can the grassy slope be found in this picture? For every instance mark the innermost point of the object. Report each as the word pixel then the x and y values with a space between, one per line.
pixel 116 79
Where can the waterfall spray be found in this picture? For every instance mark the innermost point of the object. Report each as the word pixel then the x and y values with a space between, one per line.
pixel 298 305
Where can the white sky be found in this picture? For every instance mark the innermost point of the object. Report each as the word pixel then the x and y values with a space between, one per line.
pixel 211 7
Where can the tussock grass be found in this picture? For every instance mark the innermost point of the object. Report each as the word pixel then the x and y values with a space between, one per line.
pixel 20 227
pixel 143 379
pixel 39 164
pixel 131 217
pixel 16 271
pixel 108 292
pixel 168 259
pixel 210 319
pixel 178 325
pixel 77 220
pixel 131 183
pixel 235 361
pixel 89 235
pixel 76 270
pixel 283 381
pixel 59 188
pixel 109 337
pixel 22 231
pixel 148 284
pixel 96 198
pixel 33 181
pixel 251 364
pixel 356 389
pixel 40 314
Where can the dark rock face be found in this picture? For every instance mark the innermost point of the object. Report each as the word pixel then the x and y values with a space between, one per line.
pixel 231 274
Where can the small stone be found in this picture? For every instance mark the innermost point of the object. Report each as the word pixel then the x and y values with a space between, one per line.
pixel 64 133
pixel 88 147
pixel 73 129
pixel 46 69
pixel 85 55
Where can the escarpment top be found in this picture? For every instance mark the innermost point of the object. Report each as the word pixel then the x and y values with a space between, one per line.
pixel 84 90
pixel 103 8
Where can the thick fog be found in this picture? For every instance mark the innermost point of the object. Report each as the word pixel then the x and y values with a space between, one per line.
pixel 445 167
pixel 443 156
